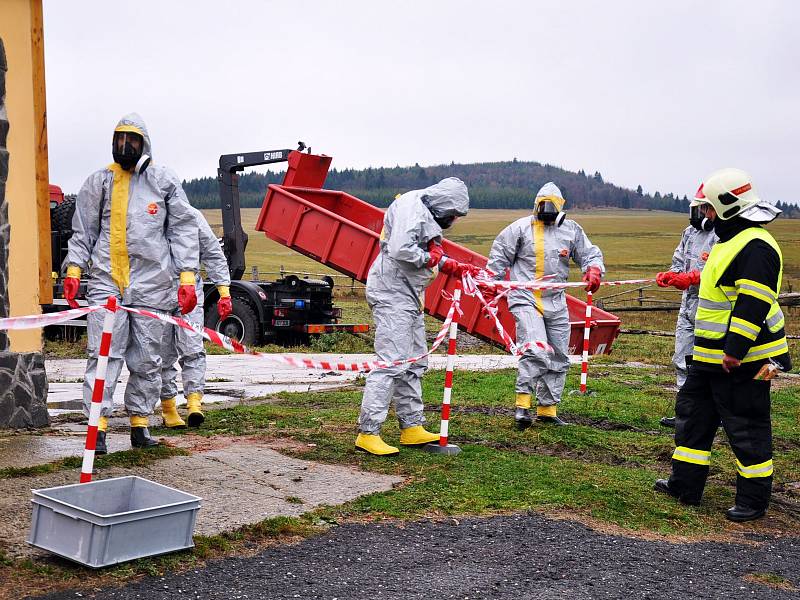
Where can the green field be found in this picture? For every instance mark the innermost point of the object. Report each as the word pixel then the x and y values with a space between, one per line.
pixel 635 243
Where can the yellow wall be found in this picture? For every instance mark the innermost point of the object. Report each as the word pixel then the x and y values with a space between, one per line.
pixel 26 191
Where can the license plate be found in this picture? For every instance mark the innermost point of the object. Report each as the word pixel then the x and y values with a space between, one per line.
pixel 282 322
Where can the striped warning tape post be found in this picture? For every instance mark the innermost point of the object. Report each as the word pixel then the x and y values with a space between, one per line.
pixel 97 390
pixel 443 447
pixel 586 333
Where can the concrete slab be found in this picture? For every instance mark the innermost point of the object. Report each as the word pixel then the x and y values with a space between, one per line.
pixel 242 377
pixel 241 481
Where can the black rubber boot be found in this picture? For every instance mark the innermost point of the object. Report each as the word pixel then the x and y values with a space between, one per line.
pixel 662 485
pixel 522 418
pixel 740 514
pixel 100 445
pixel 668 422
pixel 140 438
pixel 551 421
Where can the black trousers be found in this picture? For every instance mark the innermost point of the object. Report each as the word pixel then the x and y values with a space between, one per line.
pixel 743 406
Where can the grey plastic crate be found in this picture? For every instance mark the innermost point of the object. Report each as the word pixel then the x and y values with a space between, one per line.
pixel 113 520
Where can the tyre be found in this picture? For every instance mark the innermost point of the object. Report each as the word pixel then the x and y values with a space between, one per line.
pixel 61 216
pixel 242 325
pixel 61 230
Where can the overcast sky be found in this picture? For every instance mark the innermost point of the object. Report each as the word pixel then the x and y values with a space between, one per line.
pixel 651 93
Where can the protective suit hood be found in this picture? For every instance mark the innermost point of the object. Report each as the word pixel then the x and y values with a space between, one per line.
pixel 447 199
pixel 124 152
pixel 549 204
pixel 135 123
pixel 550 190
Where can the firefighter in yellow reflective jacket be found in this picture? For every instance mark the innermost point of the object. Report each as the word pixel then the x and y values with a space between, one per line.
pixel 133 230
pixel 739 345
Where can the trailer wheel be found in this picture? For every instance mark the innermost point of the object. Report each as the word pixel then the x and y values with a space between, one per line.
pixel 61 230
pixel 242 324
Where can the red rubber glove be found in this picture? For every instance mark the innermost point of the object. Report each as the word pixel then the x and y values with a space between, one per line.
pixel 592 279
pixel 224 308
pixel 436 251
pixel 682 281
pixel 453 267
pixel 71 286
pixel 664 279
pixel 187 298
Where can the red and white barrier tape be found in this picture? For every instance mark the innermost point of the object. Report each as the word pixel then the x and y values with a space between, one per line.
pixel 35 321
pixel 542 284
pixel 471 288
pixel 97 391
pixel 470 285
pixel 301 363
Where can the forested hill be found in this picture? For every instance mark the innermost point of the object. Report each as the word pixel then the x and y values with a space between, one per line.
pixel 508 184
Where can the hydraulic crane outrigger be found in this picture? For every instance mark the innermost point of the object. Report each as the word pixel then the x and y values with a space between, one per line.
pixel 234 237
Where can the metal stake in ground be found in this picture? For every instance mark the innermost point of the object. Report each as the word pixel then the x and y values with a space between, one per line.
pixel 443 447
pixel 97 390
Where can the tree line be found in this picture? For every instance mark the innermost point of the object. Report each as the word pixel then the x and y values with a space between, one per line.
pixel 506 184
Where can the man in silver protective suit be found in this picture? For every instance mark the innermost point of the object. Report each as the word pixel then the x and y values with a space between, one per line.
pixel 688 261
pixel 530 248
pixel 133 229
pixel 186 347
pixel 410 248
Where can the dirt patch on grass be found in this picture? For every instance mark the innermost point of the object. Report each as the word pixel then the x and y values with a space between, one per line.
pixel 198 443
pixel 771 580
pixel 502 411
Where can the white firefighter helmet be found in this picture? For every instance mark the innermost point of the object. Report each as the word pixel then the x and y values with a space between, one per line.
pixel 729 191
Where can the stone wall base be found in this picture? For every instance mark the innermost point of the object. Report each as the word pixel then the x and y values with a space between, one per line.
pixel 23 390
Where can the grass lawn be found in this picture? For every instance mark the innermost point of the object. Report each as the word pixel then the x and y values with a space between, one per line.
pixel 599 470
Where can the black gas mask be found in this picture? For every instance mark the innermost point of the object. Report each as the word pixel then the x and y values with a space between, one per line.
pixel 445 222
pixel 127 150
pixel 547 212
pixel 699 220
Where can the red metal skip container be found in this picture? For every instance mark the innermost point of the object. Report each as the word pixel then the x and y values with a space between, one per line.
pixel 342 232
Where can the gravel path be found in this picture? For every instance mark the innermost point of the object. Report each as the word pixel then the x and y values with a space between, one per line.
pixel 514 557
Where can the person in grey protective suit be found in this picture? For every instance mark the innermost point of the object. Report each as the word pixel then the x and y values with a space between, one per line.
pixel 133 229
pixel 409 250
pixel 187 348
pixel 532 247
pixel 688 261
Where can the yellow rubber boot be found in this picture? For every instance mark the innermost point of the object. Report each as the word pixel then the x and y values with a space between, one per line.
pixel 417 436
pixel 169 412
pixel 194 412
pixel 549 414
pixel 375 445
